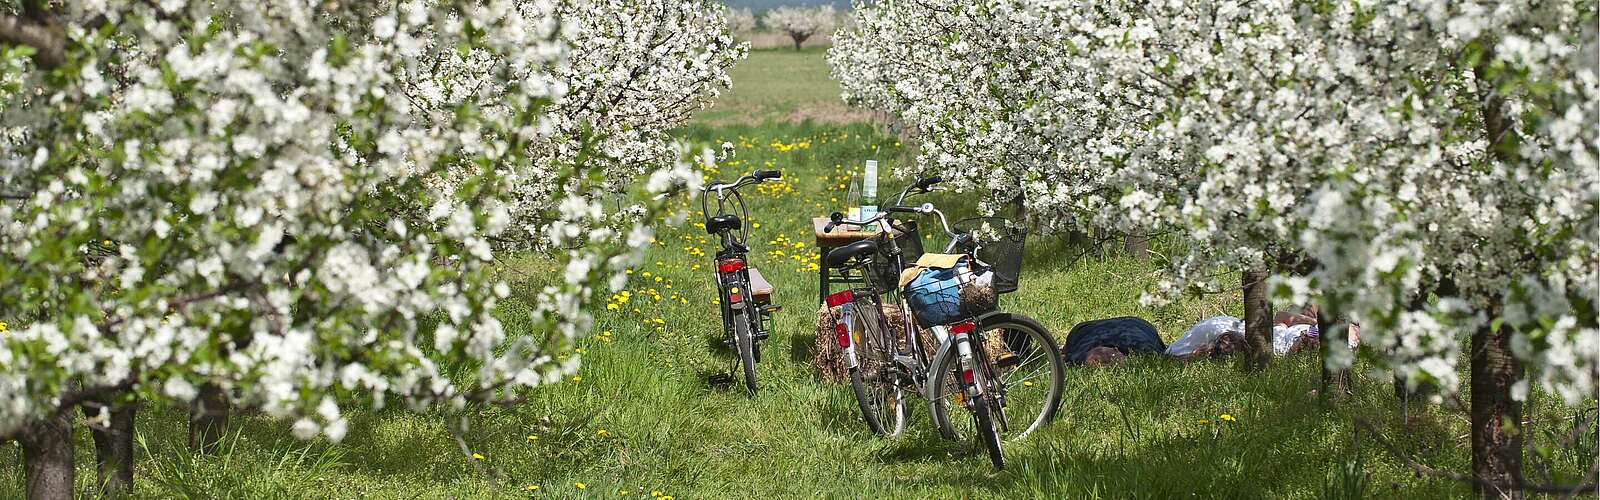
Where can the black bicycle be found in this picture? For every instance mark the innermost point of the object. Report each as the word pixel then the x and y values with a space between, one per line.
pixel 1003 368
pixel 746 296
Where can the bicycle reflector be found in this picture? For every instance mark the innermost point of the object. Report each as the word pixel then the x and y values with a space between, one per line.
pixel 841 334
pixel 730 265
pixel 734 297
pixel 963 327
pixel 840 298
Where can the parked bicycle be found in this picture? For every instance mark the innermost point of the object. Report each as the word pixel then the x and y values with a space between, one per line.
pixel 1003 368
pixel 745 296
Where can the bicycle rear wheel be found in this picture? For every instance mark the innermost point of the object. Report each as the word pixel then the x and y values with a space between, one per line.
pixel 882 400
pixel 745 343
pixel 1023 373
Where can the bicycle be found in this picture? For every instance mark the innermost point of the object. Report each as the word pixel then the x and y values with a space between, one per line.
pixel 745 295
pixel 994 364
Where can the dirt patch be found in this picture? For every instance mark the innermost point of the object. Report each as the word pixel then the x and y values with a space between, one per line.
pixel 830 113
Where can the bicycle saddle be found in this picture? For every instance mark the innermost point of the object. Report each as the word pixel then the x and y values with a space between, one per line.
pixel 726 221
pixel 838 256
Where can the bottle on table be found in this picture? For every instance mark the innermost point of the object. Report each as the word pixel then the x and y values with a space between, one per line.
pixel 852 201
pixel 869 192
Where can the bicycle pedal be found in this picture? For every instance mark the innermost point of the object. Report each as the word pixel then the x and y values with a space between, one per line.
pixel 720 379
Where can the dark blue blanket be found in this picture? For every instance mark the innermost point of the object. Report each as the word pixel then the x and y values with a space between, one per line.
pixel 1128 334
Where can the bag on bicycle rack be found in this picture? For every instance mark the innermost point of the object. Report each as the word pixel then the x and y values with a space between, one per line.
pixel 944 288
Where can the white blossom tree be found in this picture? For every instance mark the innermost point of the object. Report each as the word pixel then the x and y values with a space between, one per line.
pixel 1425 164
pixel 741 21
pixel 801 23
pixel 297 204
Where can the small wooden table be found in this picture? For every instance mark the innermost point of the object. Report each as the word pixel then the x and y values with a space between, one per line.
pixel 842 235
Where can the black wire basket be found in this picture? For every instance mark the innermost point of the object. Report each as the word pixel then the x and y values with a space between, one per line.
pixel 1000 246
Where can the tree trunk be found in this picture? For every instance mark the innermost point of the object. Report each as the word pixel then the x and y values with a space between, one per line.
pixel 1496 416
pixel 1257 319
pixel 208 420
pixel 1336 384
pixel 1137 244
pixel 47 459
pixel 113 446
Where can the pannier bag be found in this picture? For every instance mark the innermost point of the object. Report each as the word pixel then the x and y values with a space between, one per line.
pixel 945 288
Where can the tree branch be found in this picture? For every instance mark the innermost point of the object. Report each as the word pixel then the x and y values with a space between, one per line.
pixel 40 32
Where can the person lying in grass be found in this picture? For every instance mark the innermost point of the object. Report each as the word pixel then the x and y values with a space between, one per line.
pixel 1296 332
pixel 1215 337
pixel 1110 341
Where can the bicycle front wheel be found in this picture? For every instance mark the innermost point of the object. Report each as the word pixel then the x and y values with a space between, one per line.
pixel 988 432
pixel 1022 372
pixel 882 401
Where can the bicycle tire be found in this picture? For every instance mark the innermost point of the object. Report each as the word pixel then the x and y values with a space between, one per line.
pixel 872 389
pixel 1020 333
pixel 745 344
pixel 987 432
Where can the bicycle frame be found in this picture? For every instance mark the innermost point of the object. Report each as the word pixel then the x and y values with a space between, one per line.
pixel 731 265
pixel 955 339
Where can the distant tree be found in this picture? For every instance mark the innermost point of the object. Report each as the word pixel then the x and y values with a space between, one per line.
pixel 741 21
pixel 800 23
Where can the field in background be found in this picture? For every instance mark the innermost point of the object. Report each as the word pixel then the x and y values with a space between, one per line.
pixel 781 85
pixel 641 420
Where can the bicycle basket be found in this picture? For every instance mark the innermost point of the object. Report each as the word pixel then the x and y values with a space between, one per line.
pixel 910 243
pixel 944 296
pixel 1001 248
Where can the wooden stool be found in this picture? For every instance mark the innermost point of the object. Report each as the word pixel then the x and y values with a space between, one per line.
pixel 840 236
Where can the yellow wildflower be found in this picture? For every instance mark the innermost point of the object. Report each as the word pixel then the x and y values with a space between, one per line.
pixel 477 456
pixel 1226 417
pixel 580 485
pixel 533 437
pixel 602 434
pixel 533 487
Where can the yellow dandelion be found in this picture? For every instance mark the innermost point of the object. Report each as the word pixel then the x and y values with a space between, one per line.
pixel 1226 417
pixel 655 493
pixel 577 378
pixel 580 485
pixel 477 456
pixel 533 437
pixel 602 434
pixel 612 306
pixel 533 487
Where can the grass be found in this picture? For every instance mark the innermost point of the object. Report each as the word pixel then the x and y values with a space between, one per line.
pixel 642 419
pixel 781 85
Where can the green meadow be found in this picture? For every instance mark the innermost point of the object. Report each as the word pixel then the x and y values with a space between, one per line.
pixel 641 420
